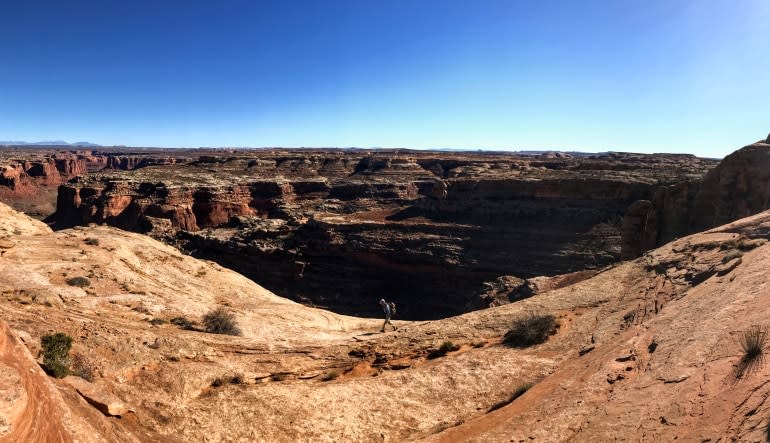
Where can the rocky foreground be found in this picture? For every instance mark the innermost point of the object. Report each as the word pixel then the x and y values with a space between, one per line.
pixel 432 230
pixel 647 350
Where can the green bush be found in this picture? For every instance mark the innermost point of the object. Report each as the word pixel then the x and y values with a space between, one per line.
pixel 530 329
pixel 221 321
pixel 80 282
pixel 56 349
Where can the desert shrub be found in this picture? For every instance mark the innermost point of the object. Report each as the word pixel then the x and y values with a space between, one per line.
pixel 742 243
pixel 520 390
pixel 732 255
pixel 83 367
pixel 330 375
pixel 183 323
pixel 445 348
pixel 753 342
pixel 92 241
pixel 530 329
pixel 748 244
pixel 80 282
pixel 141 308
pixel 157 321
pixel 728 244
pixel 56 353
pixel 236 379
pixel 280 376
pixel 221 321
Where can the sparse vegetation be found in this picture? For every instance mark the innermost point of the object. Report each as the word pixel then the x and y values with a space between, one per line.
pixel 279 376
pixel 445 348
pixel 236 379
pixel 157 321
pixel 83 367
pixel 183 323
pixel 91 241
pixel 221 321
pixel 524 387
pixel 732 255
pixel 141 308
pixel 56 349
pixel 530 329
pixel 742 243
pixel 80 282
pixel 753 342
pixel 330 375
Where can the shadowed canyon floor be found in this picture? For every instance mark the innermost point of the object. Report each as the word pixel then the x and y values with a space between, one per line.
pixel 646 350
pixel 333 228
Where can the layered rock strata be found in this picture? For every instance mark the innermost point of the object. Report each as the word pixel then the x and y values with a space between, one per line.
pixel 738 187
pixel 29 176
pixel 341 229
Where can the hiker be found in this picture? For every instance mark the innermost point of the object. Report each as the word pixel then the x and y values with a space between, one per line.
pixel 388 310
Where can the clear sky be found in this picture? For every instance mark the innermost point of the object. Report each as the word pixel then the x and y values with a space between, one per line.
pixel 642 75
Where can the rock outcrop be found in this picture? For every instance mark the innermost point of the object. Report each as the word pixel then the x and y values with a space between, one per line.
pixel 738 187
pixel 340 229
pixel 29 176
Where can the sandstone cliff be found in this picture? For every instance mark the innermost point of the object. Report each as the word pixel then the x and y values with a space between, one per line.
pixel 336 228
pixel 738 187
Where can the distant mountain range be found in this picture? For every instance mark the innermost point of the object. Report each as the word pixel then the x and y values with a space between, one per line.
pixel 47 143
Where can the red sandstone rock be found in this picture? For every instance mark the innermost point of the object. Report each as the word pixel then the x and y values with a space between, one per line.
pixel 422 226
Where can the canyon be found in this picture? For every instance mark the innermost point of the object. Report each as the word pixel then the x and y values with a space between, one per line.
pixel 340 229
pixel 647 348
pixel 437 232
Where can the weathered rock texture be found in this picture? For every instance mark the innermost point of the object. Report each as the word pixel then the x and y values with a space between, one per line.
pixel 738 187
pixel 341 229
pixel 29 176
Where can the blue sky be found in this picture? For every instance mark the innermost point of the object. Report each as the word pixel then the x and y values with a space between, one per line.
pixel 645 76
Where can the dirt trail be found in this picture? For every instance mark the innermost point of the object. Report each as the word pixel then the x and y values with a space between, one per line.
pixel 41 418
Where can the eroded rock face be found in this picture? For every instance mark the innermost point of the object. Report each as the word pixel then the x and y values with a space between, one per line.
pixel 342 229
pixel 738 187
pixel 29 176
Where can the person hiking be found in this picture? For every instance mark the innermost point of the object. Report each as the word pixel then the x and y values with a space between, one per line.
pixel 386 308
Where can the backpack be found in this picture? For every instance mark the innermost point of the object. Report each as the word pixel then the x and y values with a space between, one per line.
pixel 392 308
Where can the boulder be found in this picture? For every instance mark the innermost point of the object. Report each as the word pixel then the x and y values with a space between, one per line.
pixel 96 395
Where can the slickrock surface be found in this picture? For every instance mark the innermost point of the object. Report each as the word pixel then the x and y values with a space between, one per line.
pixel 646 350
pixel 336 228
